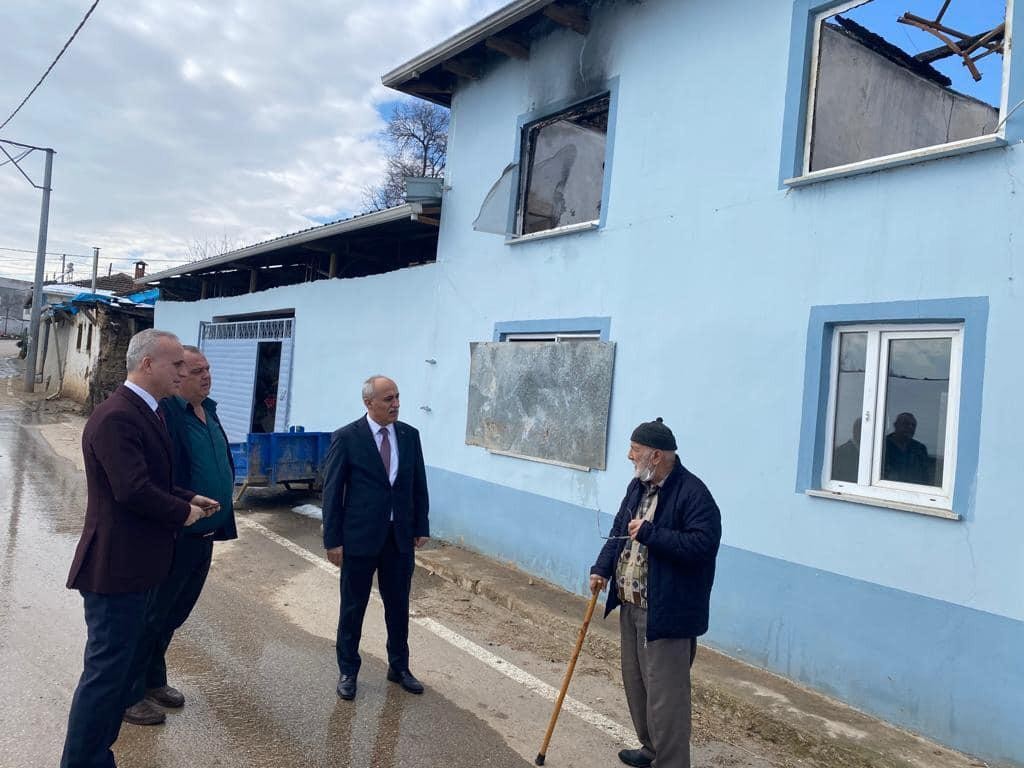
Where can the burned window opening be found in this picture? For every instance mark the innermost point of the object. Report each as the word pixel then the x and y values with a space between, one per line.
pixel 882 88
pixel 563 168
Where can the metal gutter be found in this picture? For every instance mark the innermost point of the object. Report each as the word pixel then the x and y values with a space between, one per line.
pixel 464 40
pixel 407 211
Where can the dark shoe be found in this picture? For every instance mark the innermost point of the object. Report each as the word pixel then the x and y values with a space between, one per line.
pixel 143 713
pixel 166 696
pixel 635 757
pixel 406 680
pixel 347 687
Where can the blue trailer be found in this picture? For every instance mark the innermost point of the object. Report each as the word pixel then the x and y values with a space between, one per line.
pixel 280 458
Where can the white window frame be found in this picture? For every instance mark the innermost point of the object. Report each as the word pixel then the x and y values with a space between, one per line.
pixel 911 155
pixel 556 337
pixel 869 485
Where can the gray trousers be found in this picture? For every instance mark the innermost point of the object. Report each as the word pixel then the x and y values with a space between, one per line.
pixel 657 679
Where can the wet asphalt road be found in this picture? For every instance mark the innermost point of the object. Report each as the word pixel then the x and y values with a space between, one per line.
pixel 254 662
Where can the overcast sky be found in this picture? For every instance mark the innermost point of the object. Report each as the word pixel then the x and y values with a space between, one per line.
pixel 180 121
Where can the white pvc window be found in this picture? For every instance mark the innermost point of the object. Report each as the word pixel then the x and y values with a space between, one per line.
pixel 893 79
pixel 893 411
pixel 571 336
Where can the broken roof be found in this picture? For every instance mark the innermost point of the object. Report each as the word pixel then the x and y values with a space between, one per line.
pixel 884 48
pixel 434 74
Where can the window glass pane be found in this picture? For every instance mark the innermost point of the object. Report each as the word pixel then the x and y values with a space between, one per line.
pixel 849 401
pixel 888 82
pixel 565 173
pixel 917 394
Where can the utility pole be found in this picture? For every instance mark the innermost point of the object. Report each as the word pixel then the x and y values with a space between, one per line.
pixel 63 258
pixel 37 289
pixel 44 220
pixel 95 266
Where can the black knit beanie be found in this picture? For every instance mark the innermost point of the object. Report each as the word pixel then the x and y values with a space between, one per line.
pixel 654 434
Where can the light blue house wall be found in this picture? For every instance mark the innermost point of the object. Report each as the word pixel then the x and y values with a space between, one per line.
pixel 713 281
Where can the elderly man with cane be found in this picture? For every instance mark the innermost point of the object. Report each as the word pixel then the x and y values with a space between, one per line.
pixel 661 554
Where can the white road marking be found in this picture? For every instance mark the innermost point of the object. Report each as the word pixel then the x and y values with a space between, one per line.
pixel 618 732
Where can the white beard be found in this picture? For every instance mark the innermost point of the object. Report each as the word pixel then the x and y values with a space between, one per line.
pixel 643 474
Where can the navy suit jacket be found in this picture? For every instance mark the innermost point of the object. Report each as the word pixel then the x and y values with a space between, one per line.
pixel 358 499
pixel 134 508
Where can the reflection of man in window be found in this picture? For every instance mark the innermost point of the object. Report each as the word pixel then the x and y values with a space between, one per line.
pixel 846 458
pixel 905 459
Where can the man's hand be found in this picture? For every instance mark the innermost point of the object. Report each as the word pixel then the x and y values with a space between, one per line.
pixel 634 527
pixel 334 555
pixel 419 541
pixel 597 583
pixel 211 505
pixel 194 514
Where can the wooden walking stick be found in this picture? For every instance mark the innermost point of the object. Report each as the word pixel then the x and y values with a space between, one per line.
pixel 568 676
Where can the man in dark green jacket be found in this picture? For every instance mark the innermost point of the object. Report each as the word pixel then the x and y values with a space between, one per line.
pixel 201 459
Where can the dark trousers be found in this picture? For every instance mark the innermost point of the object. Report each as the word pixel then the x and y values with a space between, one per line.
pixel 115 625
pixel 172 603
pixel 394 579
pixel 656 675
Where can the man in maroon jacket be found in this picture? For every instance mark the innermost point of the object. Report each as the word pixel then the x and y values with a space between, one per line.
pixel 125 551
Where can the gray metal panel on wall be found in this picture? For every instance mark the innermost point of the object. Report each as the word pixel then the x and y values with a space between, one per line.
pixel 233 368
pixel 284 381
pixel 542 400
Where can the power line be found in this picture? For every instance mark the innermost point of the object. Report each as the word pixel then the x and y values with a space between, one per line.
pixel 52 64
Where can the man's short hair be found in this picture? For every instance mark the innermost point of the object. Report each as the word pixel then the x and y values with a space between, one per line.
pixel 369 386
pixel 193 349
pixel 142 345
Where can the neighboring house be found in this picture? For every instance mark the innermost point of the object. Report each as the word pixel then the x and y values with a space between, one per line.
pixel 83 342
pixel 652 209
pixel 12 299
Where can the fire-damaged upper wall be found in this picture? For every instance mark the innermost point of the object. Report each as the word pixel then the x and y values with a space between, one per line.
pixel 508 33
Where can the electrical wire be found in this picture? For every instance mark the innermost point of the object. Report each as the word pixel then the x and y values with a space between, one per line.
pixel 52 64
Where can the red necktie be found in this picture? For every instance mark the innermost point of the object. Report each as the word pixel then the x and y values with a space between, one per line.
pixel 385 451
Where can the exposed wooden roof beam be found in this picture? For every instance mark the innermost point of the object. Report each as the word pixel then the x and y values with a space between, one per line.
pixel 463 68
pixel 572 16
pixel 428 88
pixel 512 48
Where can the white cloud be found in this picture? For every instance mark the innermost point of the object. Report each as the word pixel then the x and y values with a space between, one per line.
pixel 176 121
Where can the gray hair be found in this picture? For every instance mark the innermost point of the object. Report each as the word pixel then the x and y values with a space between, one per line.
pixel 193 349
pixel 142 345
pixel 370 386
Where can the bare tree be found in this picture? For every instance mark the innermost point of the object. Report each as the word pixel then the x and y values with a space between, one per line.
pixel 197 250
pixel 417 145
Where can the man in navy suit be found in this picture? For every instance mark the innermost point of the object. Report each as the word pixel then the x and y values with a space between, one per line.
pixel 375 515
pixel 134 512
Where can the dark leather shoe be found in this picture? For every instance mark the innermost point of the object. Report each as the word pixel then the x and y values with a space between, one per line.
pixel 406 680
pixel 635 758
pixel 347 687
pixel 143 713
pixel 166 696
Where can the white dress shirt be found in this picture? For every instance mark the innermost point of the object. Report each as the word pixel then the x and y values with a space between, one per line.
pixel 150 400
pixel 375 429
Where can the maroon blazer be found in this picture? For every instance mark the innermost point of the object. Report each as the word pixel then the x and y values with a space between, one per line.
pixel 134 510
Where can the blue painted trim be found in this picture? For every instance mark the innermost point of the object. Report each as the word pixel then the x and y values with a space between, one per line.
pixel 559 325
pixel 972 312
pixel 794 121
pixel 611 87
pixel 938 668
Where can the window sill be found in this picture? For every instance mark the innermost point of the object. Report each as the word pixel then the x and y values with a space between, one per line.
pixel 903 158
pixel 569 229
pixel 945 514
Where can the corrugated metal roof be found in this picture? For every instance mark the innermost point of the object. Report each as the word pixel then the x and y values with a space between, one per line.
pixel 354 223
